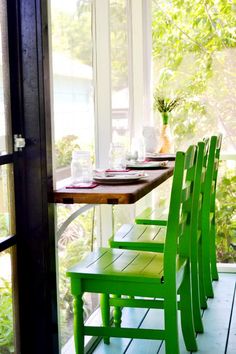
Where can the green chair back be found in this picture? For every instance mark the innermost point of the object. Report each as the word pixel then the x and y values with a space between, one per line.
pixel 207 216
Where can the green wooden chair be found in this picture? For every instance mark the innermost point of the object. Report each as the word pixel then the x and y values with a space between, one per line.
pixel 207 226
pixel 152 237
pixel 148 279
pixel 214 272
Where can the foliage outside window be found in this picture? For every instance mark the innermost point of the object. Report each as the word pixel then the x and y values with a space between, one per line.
pixel 226 216
pixel 194 54
pixel 73 245
pixel 6 309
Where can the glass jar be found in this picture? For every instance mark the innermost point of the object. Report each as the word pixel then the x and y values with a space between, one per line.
pixel 81 167
pixel 117 154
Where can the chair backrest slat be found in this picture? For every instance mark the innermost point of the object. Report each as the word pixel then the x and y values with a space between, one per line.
pixel 180 209
pixel 211 173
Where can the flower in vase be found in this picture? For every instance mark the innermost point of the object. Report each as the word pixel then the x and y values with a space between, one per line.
pixel 166 105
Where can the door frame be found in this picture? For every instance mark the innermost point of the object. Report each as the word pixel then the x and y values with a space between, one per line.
pixel 35 236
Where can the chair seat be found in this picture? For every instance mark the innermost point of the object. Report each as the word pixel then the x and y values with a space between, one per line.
pixel 153 216
pixel 140 237
pixel 109 264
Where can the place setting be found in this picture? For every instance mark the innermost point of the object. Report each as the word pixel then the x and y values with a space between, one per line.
pixel 84 177
pixel 125 166
pixel 118 177
pixel 157 156
pixel 138 158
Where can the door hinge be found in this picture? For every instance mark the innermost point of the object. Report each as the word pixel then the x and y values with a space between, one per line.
pixel 19 142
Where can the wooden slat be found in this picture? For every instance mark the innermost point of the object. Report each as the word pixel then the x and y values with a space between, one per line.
pixel 7 242
pixel 131 317
pixel 231 347
pixel 110 262
pixel 154 319
pixel 4 159
pixel 140 233
pixel 216 317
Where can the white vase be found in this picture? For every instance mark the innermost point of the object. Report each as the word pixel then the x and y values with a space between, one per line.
pixel 150 135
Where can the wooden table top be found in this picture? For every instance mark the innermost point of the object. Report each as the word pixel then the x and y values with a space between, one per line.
pixel 114 194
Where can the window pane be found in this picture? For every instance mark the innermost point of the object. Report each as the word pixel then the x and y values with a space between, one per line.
pixel 73 94
pixel 6 304
pixel 7 214
pixel 77 240
pixel 119 70
pixel 5 137
pixel 226 212
pixel 73 107
pixel 194 55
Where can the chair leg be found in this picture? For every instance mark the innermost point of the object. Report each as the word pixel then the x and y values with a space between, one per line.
pixel 206 259
pixel 171 325
pixel 198 324
pixel 117 313
pixel 105 312
pixel 214 271
pixel 78 324
pixel 186 312
pixel 203 299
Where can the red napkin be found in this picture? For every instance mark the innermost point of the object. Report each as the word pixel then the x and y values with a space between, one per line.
pixel 111 170
pixel 83 185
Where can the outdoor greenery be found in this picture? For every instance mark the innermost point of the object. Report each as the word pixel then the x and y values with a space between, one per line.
pixel 64 148
pixel 226 218
pixel 73 245
pixel 3 226
pixel 193 52
pixel 73 37
pixel 6 316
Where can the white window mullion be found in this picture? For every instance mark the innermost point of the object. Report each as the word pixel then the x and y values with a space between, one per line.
pixel 136 57
pixel 102 85
pixel 147 61
pixel 102 82
pixel 140 43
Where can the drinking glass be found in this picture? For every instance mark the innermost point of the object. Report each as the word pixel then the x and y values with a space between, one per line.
pixel 137 150
pixel 117 156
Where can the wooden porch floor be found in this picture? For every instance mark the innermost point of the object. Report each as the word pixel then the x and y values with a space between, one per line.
pixel 219 321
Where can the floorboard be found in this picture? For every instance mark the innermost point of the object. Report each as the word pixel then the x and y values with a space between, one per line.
pixel 231 345
pixel 130 317
pixel 153 319
pixel 219 322
pixel 216 318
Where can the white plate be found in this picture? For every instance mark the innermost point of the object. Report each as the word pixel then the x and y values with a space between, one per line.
pixel 160 156
pixel 119 179
pixel 147 164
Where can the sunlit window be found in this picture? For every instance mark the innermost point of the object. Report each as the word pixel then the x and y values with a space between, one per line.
pixel 194 58
pixel 119 71
pixel 73 121
pixel 73 94
pixel 5 114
